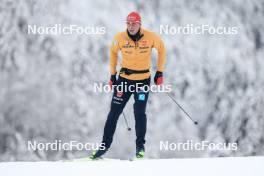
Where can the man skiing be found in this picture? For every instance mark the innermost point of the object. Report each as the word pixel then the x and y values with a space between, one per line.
pixel 136 46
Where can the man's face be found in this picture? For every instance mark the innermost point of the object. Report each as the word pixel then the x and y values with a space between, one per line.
pixel 133 27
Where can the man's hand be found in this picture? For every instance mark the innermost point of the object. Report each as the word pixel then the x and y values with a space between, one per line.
pixel 112 81
pixel 158 79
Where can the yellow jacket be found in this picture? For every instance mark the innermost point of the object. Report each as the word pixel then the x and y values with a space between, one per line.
pixel 136 56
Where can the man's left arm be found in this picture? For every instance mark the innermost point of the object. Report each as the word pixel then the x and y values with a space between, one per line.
pixel 159 45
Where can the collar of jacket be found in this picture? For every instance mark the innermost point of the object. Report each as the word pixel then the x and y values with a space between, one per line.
pixel 137 36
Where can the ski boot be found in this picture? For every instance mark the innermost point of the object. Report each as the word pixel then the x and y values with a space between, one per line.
pixel 96 155
pixel 140 152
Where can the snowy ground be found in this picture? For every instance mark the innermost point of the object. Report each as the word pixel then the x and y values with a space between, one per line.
pixel 207 166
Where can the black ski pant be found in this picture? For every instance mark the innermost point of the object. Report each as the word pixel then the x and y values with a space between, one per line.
pixel 119 100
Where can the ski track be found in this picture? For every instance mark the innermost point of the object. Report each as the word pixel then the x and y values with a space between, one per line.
pixel 232 166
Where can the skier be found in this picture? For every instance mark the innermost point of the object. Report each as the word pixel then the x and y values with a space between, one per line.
pixel 136 46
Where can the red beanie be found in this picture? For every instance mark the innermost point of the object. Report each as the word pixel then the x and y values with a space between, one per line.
pixel 134 17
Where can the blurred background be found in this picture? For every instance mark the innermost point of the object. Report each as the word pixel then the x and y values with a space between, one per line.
pixel 45 80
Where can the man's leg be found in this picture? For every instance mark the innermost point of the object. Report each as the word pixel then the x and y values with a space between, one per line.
pixel 140 104
pixel 118 103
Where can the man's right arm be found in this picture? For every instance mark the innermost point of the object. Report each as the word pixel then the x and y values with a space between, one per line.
pixel 114 48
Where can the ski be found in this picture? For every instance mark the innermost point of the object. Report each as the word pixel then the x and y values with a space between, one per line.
pixel 87 159
pixel 136 159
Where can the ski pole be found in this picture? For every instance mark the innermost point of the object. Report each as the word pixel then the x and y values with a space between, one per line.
pixel 195 122
pixel 128 128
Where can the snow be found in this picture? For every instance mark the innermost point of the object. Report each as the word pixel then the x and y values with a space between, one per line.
pixel 236 166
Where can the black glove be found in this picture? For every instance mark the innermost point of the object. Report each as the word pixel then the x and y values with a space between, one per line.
pixel 112 81
pixel 158 79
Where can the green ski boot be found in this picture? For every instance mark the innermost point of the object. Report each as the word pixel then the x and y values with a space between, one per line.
pixel 140 153
pixel 96 155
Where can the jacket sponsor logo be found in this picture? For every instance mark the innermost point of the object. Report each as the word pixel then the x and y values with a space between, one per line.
pixel 144 42
pixel 128 52
pixel 145 47
pixel 119 94
pixel 141 97
pixel 127 46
